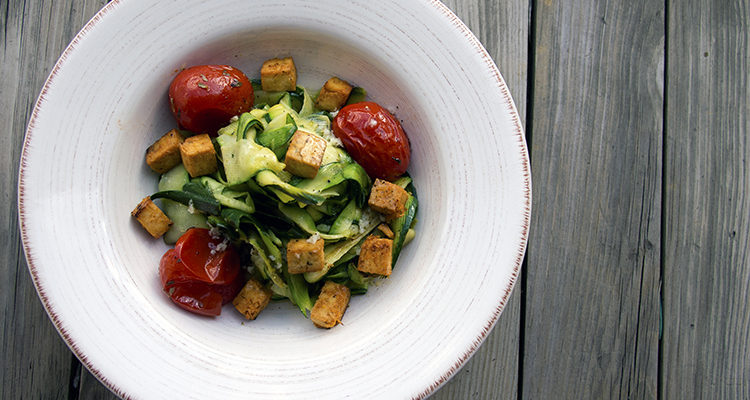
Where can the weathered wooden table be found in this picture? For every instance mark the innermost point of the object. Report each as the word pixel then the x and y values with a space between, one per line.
pixel 637 276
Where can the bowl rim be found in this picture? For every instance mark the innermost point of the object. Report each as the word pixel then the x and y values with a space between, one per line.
pixel 446 375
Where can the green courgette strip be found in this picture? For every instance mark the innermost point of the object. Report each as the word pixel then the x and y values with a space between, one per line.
pixel 335 251
pixel 278 139
pixel 346 219
pixel 228 198
pixel 400 227
pixel 245 228
pixel 305 221
pixel 192 194
pixel 298 291
pixel 267 178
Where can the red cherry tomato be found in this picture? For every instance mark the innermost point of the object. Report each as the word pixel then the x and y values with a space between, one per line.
pixel 209 259
pixel 374 138
pixel 172 270
pixel 203 98
pixel 190 286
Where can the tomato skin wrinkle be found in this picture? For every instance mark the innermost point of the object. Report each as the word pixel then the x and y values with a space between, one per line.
pixel 374 138
pixel 194 249
pixel 203 98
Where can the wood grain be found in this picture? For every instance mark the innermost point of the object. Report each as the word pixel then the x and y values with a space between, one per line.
pixel 34 361
pixel 592 311
pixel 706 346
pixel 492 372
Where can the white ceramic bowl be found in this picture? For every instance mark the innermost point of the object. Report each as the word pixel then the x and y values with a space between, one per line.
pixel 95 269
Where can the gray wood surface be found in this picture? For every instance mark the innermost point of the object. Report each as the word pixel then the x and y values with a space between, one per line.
pixel 592 313
pixel 706 345
pixel 637 118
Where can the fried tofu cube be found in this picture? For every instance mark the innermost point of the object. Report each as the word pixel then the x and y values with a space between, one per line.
pixel 375 256
pixel 305 255
pixel 333 95
pixel 252 299
pixel 330 306
pixel 198 155
pixel 386 230
pixel 151 217
pixel 164 154
pixel 305 154
pixel 388 199
pixel 278 74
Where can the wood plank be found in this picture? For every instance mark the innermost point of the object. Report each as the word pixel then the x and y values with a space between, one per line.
pixel 706 350
pixel 492 372
pixel 34 361
pixel 592 310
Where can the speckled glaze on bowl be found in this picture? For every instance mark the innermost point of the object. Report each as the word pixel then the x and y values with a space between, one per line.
pixel 82 171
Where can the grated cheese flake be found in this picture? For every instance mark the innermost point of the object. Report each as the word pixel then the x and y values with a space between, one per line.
pixel 314 238
pixel 335 141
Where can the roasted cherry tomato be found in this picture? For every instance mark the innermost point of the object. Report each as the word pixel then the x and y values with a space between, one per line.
pixel 374 138
pixel 197 280
pixel 203 98
pixel 210 259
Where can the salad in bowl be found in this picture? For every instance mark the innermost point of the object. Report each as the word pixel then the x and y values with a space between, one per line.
pixel 269 191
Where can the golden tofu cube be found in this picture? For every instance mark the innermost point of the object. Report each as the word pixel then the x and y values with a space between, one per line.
pixel 252 299
pixel 278 74
pixel 151 217
pixel 375 256
pixel 305 154
pixel 330 306
pixel 388 199
pixel 164 154
pixel 386 230
pixel 198 155
pixel 333 95
pixel 304 255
